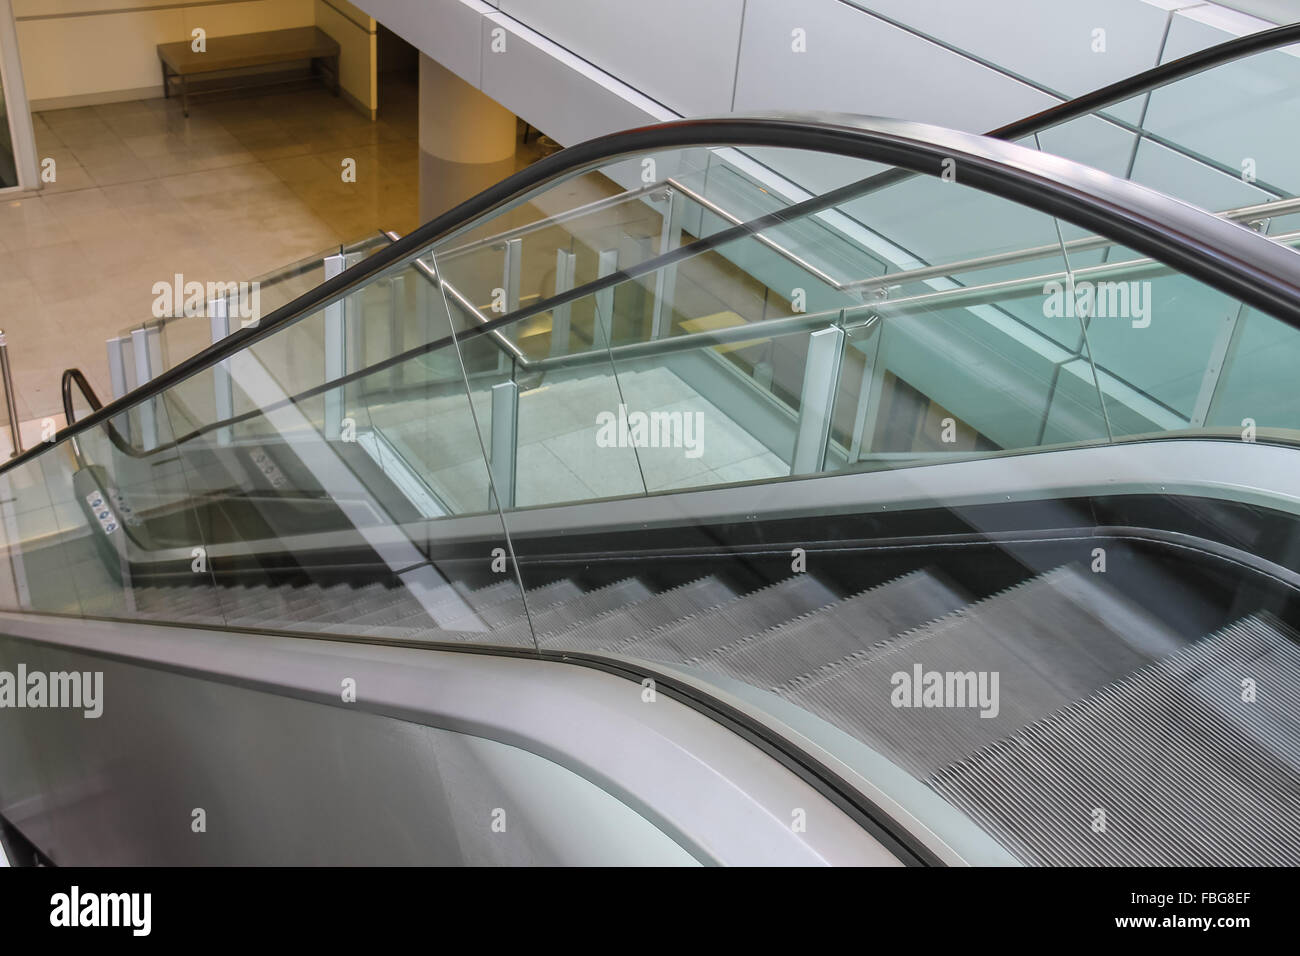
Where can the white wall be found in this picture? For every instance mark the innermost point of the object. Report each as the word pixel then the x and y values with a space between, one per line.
pixel 955 62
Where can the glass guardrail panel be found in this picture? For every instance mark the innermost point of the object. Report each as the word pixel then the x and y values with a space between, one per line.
pixel 1212 139
pixel 40 514
pixel 978 357
pixel 976 340
pixel 181 325
pixel 742 185
pixel 256 493
pixel 1250 395
pixel 331 479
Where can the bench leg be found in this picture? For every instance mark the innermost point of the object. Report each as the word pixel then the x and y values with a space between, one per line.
pixel 337 78
pixel 167 82
pixel 185 96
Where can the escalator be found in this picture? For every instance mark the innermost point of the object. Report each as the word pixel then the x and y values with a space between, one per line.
pixel 696 531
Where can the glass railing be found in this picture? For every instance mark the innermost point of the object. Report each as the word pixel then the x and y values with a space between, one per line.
pixel 183 323
pixel 1211 138
pixel 703 358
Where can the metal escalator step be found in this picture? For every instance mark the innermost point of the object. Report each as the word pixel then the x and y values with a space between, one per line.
pixel 1046 642
pixel 249 601
pixel 832 633
pixel 187 605
pixel 724 624
pixel 314 606
pixel 488 595
pixel 284 604
pixel 571 613
pixel 1186 771
pixel 395 605
pixel 342 603
pixel 621 624
pixel 496 615
pixel 174 599
pixel 519 630
pixel 285 599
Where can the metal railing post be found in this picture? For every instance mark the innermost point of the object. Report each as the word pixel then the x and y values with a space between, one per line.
pixel 817 400
pixel 565 261
pixel 510 279
pixel 670 237
pixel 510 282
pixel 117 380
pixel 335 352
pixel 141 347
pixel 504 443
pixel 223 391
pixel 15 426
pixel 396 327
pixel 606 265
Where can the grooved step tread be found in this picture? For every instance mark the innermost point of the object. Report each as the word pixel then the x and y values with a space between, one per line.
pixel 1048 642
pixel 1186 771
pixel 777 655
pixel 622 624
pixel 718 626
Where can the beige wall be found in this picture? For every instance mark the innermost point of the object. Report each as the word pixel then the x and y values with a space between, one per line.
pixel 77 52
pixel 355 32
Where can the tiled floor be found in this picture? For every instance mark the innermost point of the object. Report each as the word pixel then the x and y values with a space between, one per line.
pixel 242 186
pixel 560 457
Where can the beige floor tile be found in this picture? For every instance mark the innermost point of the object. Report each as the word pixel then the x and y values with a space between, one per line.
pixel 240 188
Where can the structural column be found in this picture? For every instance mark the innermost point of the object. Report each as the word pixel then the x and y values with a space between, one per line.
pixel 467 140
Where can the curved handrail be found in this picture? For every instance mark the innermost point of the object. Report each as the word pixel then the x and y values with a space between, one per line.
pixel 71 377
pixel 1151 79
pixel 75 377
pixel 1233 259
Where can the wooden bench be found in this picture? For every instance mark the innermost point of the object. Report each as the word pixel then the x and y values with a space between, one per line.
pixel 180 62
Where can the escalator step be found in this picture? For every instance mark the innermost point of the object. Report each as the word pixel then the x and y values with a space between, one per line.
pixel 724 624
pixel 518 631
pixel 342 603
pixel 495 617
pixel 1186 771
pixel 284 604
pixel 1048 642
pixel 869 618
pixel 558 617
pixel 489 595
pixel 621 624
pixel 508 609
pixel 385 609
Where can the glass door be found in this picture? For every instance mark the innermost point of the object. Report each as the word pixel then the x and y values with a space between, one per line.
pixel 17 144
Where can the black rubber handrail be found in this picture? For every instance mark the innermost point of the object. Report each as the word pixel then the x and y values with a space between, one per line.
pixel 75 377
pixel 1151 79
pixel 1189 245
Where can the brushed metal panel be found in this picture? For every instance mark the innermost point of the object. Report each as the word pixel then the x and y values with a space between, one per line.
pixel 252 729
